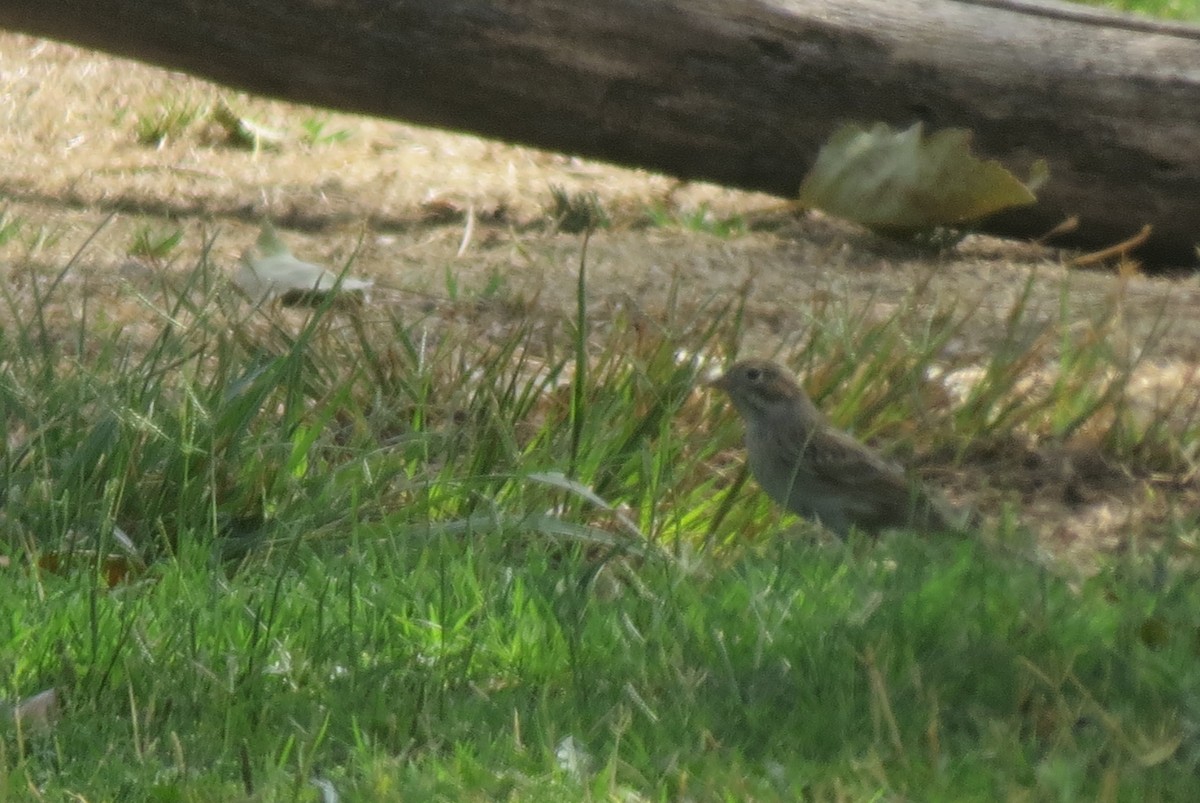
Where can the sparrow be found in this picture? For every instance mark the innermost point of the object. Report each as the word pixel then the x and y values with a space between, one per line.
pixel 816 470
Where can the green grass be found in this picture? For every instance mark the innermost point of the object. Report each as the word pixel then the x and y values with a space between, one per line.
pixel 167 121
pixel 700 219
pixel 454 665
pixel 317 131
pixel 1188 10
pixel 413 562
pixel 10 226
pixel 152 242
pixel 574 213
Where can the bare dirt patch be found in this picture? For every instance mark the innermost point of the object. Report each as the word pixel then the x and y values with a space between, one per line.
pixel 405 196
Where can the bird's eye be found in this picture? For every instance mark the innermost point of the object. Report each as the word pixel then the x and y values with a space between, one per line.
pixel 754 374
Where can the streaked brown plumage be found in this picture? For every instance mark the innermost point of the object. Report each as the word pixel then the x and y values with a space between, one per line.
pixel 815 470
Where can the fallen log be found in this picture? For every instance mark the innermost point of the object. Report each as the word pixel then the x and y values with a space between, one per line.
pixel 739 92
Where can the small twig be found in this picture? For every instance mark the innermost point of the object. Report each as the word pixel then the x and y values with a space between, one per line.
pixel 468 232
pixel 1120 249
pixel 879 691
pixel 1066 227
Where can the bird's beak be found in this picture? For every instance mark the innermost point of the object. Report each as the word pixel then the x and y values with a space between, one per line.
pixel 718 381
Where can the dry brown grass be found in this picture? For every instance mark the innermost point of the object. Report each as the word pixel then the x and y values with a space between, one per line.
pixel 72 158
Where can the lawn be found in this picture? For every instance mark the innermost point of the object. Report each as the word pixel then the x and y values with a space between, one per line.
pixel 486 535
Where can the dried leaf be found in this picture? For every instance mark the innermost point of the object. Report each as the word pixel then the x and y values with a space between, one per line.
pixel 275 273
pixel 39 712
pixel 1150 754
pixel 116 569
pixel 1154 633
pixel 242 132
pixel 901 182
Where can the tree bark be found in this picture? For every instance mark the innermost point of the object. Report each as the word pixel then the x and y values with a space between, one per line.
pixel 739 92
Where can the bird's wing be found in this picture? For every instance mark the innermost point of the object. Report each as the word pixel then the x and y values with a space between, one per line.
pixel 884 489
pixel 840 460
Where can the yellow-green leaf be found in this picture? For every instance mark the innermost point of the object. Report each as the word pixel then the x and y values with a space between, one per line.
pixel 903 182
pixel 273 272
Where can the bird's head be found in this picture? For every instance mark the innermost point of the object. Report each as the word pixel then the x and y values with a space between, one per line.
pixel 758 387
